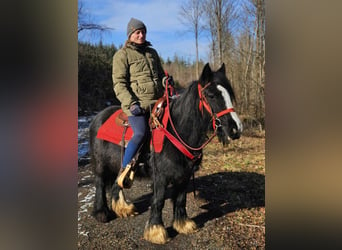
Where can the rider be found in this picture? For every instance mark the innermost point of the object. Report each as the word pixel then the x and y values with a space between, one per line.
pixel 138 82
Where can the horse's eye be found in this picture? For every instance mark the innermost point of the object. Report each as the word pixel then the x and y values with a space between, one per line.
pixel 210 95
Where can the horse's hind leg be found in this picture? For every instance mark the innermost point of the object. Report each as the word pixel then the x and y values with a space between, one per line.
pixel 119 204
pixel 101 211
pixel 154 230
pixel 181 222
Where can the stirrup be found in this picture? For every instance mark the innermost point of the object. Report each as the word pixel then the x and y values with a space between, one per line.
pixel 125 180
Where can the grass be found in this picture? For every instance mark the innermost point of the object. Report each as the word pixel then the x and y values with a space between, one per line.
pixel 241 164
pixel 244 155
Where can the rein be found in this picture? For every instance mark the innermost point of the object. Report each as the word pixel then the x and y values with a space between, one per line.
pixel 203 103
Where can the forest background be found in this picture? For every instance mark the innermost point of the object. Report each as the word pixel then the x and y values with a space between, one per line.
pixel 236 31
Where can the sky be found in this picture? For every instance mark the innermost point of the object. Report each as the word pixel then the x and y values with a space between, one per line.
pixel 161 17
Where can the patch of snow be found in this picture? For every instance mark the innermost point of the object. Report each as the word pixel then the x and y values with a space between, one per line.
pixel 83 135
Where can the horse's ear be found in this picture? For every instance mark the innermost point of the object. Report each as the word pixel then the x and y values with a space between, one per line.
pixel 206 74
pixel 222 69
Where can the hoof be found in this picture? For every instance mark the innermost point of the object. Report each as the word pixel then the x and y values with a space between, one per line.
pixel 156 234
pixel 122 208
pixel 185 226
pixel 102 216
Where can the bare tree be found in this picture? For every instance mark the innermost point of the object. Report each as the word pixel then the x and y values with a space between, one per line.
pixel 85 23
pixel 190 14
pixel 251 59
pixel 259 7
pixel 219 14
pixel 260 19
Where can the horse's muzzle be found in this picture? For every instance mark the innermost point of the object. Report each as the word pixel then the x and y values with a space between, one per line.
pixel 234 134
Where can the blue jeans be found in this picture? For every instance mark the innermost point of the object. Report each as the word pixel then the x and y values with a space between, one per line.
pixel 140 130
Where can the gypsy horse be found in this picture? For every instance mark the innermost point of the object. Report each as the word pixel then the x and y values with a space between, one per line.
pixel 205 103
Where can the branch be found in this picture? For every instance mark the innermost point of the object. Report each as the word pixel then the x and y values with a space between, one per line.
pixel 93 26
pixel 249 225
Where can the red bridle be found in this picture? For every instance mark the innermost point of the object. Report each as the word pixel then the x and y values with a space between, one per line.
pixel 204 103
pixel 180 144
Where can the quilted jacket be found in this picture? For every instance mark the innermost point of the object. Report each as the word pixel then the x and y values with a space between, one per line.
pixel 137 75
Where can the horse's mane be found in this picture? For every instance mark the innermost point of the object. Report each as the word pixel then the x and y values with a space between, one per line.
pixel 188 91
pixel 186 116
pixel 187 101
pixel 218 78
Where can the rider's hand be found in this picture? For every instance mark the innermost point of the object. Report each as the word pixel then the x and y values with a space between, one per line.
pixel 136 109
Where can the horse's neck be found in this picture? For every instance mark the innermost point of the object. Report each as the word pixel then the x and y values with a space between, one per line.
pixel 188 120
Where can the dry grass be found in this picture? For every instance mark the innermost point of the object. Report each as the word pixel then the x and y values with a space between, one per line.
pixel 229 208
pixel 244 155
pixel 237 173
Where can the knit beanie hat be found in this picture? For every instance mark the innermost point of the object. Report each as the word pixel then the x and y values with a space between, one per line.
pixel 133 25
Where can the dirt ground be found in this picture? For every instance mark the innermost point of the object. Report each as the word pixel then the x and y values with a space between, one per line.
pixel 229 206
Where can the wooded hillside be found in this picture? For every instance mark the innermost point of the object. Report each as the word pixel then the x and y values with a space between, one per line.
pixel 237 34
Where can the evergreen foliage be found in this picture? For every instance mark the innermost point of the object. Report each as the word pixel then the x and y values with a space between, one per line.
pixel 95 87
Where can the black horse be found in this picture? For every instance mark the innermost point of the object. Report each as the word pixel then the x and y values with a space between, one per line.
pixel 205 103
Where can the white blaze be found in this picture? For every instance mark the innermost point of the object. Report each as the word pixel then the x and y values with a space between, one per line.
pixel 229 105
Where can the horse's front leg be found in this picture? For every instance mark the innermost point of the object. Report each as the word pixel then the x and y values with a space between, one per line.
pixel 119 204
pixel 154 230
pixel 181 222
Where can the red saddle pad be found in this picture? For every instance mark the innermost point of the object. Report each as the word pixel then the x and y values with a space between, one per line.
pixel 111 132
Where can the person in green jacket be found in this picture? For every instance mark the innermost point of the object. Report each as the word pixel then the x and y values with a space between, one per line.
pixel 138 82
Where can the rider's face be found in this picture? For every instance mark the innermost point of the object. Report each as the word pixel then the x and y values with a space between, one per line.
pixel 138 36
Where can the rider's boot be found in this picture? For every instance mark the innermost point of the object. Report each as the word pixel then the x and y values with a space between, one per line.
pixel 126 176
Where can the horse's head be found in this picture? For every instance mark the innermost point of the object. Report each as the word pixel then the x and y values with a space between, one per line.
pixel 217 97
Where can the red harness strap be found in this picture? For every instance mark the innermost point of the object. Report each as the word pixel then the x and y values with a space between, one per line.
pixel 226 111
pixel 177 144
pixel 203 100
